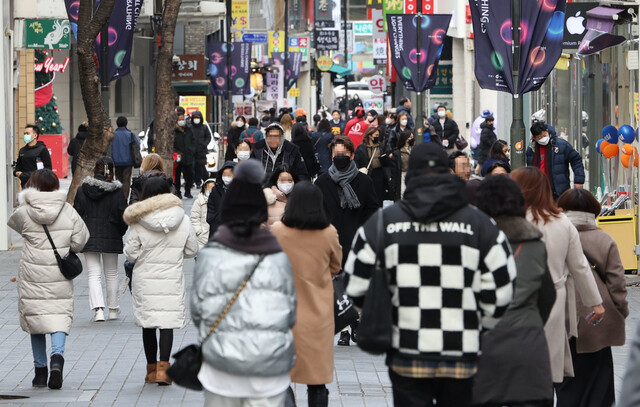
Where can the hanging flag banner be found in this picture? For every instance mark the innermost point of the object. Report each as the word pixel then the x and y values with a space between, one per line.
pixel 417 69
pixel 122 24
pixel 541 30
pixel 294 62
pixel 379 37
pixel 240 67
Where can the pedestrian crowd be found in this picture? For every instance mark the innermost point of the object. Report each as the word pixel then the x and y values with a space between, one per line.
pixel 499 291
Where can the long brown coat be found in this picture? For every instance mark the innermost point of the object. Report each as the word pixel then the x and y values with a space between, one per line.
pixel 602 252
pixel 315 256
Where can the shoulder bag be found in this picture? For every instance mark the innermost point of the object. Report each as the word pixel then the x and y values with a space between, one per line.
pixel 365 170
pixel 136 157
pixel 70 266
pixel 461 143
pixel 188 361
pixel 376 323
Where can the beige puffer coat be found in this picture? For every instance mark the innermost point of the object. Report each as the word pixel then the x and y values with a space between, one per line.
pixel 199 219
pixel 276 203
pixel 45 297
pixel 160 238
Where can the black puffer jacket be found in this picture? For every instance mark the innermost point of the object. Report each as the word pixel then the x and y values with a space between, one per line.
pixel 449 131
pixel 215 201
pixel 101 205
pixel 202 135
pixel 27 162
pixel 75 145
pixel 487 138
pixel 137 185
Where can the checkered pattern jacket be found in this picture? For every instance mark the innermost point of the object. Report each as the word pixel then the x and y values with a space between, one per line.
pixel 448 279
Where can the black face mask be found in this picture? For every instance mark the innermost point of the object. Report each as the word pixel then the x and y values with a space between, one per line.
pixel 412 142
pixel 375 139
pixel 341 162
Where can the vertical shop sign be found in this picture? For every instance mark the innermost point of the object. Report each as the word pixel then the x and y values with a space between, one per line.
pixel 240 15
pixel 323 10
pixel 391 7
pixel 276 42
pixel 379 37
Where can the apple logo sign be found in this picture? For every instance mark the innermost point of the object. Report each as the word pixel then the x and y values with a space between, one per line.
pixel 575 24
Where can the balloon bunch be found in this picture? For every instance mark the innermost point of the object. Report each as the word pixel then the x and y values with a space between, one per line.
pixel 608 147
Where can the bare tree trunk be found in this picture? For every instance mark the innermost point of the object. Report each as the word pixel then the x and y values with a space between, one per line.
pixel 100 130
pixel 165 117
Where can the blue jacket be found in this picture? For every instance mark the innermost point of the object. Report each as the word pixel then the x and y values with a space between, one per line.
pixel 120 150
pixel 560 155
pixel 402 109
pixel 252 131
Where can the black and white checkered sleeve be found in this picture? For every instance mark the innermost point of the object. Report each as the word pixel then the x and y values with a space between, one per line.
pixel 498 270
pixel 360 265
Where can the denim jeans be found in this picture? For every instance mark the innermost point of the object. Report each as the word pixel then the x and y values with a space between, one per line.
pixel 39 347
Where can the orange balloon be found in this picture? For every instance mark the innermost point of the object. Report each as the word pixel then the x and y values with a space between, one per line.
pixel 624 159
pixel 627 149
pixel 610 151
pixel 604 145
pixel 635 159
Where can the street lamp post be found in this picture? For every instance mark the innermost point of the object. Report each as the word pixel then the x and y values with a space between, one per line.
pixel 517 130
pixel 229 78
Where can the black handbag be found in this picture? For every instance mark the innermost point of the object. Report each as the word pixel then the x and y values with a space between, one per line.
pixel 188 361
pixel 136 157
pixel 376 323
pixel 344 313
pixel 461 143
pixel 70 266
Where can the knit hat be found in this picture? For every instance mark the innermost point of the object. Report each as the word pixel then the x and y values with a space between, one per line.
pixel 244 200
pixel 300 112
pixel 428 157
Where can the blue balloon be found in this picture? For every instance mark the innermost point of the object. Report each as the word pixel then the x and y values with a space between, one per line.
pixel 626 134
pixel 598 145
pixel 610 134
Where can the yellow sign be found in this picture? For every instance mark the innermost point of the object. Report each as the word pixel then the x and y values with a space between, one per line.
pixel 294 92
pixel 240 14
pixel 636 106
pixel 276 42
pixel 324 63
pixel 193 103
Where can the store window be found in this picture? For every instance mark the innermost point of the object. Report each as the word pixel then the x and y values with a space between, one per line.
pixel 124 96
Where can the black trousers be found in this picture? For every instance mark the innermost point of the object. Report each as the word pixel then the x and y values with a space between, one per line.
pixel 150 343
pixel 187 171
pixel 593 384
pixel 441 392
pixel 200 173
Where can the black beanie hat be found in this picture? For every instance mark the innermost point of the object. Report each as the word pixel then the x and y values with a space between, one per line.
pixel 428 158
pixel 244 199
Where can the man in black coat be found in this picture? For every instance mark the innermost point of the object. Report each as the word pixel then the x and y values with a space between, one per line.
pixel 33 156
pixel 274 151
pixel 446 129
pixel 202 135
pixel 224 178
pixel 184 144
pixel 75 145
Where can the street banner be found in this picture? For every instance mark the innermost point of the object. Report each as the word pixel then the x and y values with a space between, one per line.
pixel 294 62
pixel 542 28
pixel 122 24
pixel 240 67
pixel 417 74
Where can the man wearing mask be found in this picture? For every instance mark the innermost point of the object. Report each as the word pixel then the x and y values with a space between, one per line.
pixel 33 156
pixel 337 124
pixel 405 107
pixel 356 127
pixel 202 135
pixel 274 151
pixel 553 156
pixel 214 202
pixel 184 147
pixel 446 129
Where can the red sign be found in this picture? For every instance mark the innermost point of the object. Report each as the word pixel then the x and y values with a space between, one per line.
pixel 427 6
pixel 410 6
pixel 48 66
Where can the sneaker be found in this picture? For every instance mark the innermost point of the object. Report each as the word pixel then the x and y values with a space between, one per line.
pixel 344 338
pixel 188 196
pixel 99 315
pixel 114 313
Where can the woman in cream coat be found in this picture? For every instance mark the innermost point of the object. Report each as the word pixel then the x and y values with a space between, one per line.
pixel 569 268
pixel 45 296
pixel 160 238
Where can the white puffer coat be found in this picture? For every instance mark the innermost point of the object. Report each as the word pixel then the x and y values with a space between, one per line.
pixel 45 297
pixel 160 238
pixel 199 219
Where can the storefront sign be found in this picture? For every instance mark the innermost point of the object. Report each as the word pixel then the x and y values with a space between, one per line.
pixel 47 34
pixel 327 40
pixel 375 103
pixel 240 14
pixel 377 84
pixel 294 92
pixel 189 68
pixel 255 38
pixel 362 27
pixel 350 37
pixel 324 10
pixel 276 42
pixel 444 81
pixel 48 65
pixel 275 84
pixel 379 37
pixel 324 63
pixel 575 24
pixel 193 103
pixel 301 45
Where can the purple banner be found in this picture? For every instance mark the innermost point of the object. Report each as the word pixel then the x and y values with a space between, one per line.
pixel 405 35
pixel 240 67
pixel 294 63
pixel 542 29
pixel 122 24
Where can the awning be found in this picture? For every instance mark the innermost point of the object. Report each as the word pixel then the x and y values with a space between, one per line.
pixel 194 86
pixel 340 70
pixel 600 23
pixel 602 18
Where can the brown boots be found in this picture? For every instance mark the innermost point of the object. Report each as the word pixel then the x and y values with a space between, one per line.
pixel 161 373
pixel 151 373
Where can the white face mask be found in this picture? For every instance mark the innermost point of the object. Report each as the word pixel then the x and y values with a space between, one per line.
pixel 181 123
pixel 243 155
pixel 196 121
pixel 442 113
pixel 404 122
pixel 387 120
pixel 227 180
pixel 285 187
pixel 544 141
pixel 240 123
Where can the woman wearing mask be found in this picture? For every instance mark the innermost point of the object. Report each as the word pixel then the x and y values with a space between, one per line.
pixel 321 140
pixel 499 152
pixel 243 151
pixel 367 159
pixel 286 121
pixel 311 243
pixel 161 237
pixel 233 137
pixel 101 203
pixel 394 133
pixel 224 178
pixel 45 296
pixel 199 213
pixel 247 359
pixel 401 162
pixel 593 383
pixel 372 118
pixel 281 184
pixel 569 268
pixel 152 167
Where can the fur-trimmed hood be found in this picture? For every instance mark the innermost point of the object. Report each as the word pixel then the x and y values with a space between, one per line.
pixel 518 229
pixel 42 207
pixel 95 188
pixel 159 213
